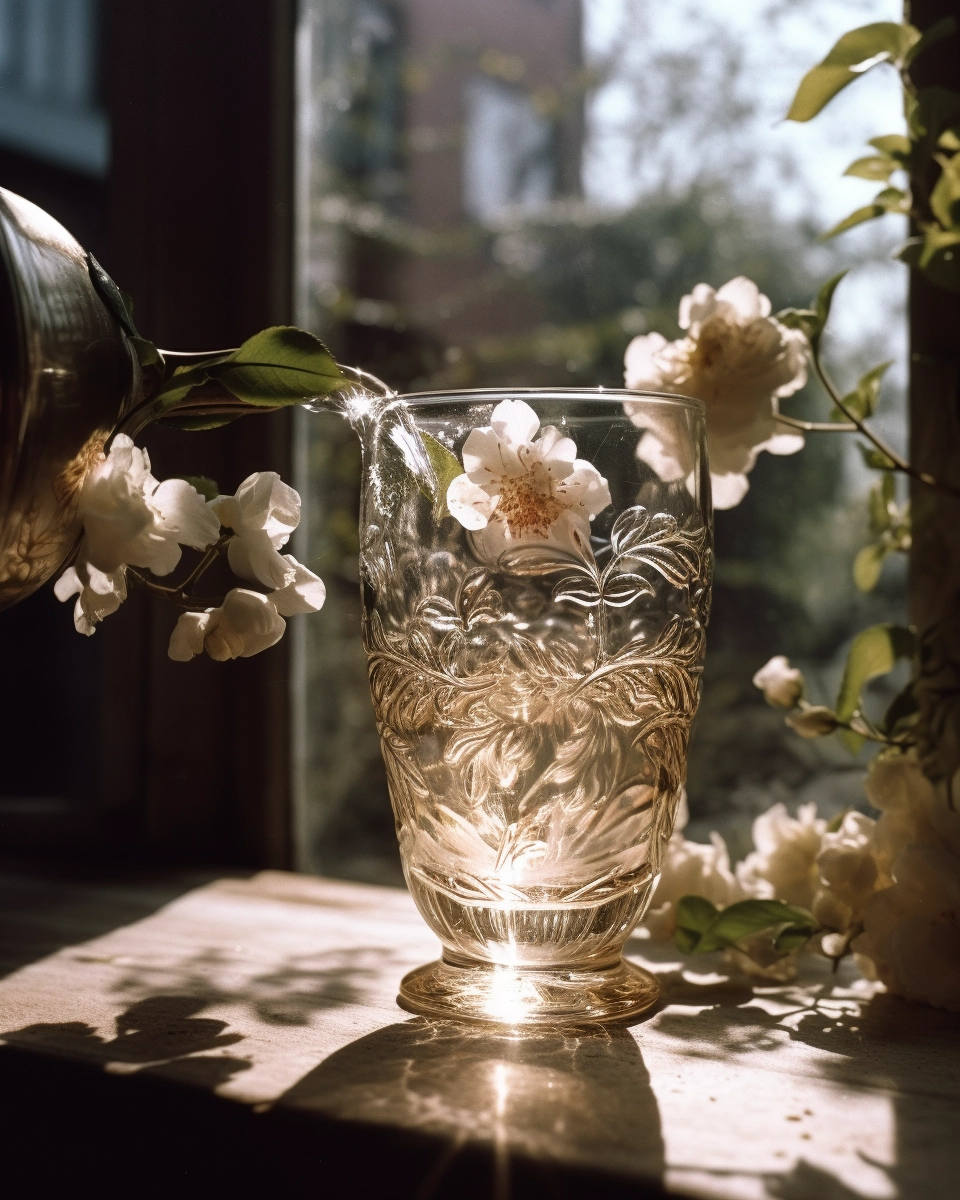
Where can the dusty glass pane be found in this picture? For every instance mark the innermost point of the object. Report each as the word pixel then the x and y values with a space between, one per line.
pixel 504 192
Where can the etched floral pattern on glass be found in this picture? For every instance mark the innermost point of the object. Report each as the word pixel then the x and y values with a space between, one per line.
pixel 535 634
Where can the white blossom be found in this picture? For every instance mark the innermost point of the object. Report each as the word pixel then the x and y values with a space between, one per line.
pixel 99 593
pixel 262 514
pixel 246 623
pixel 131 518
pixel 781 684
pixel 912 929
pixel 516 489
pixel 912 810
pixel 784 864
pixel 303 594
pixel 739 361
pixel 690 868
pixel 848 873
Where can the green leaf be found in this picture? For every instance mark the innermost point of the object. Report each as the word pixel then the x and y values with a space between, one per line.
pixel 147 353
pixel 180 384
pixel 794 937
pixel 940 259
pixel 695 915
pixel 868 564
pixel 118 303
pixel 882 495
pixel 868 213
pixel 804 319
pixel 928 114
pixel 749 917
pixel 279 366
pixel 812 320
pixel 274 368
pixel 875 459
pixel 944 28
pixel 910 252
pixel 949 140
pixel 862 402
pixel 945 197
pixel 894 200
pixel 203 484
pixel 873 167
pixel 903 712
pixel 873 652
pixel 198 424
pixel 833 825
pixel 893 145
pixel 446 467
pixel 855 53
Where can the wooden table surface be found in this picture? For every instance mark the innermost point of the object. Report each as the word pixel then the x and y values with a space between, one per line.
pixel 243 1031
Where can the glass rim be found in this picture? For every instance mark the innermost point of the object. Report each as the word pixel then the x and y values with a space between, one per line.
pixel 422 399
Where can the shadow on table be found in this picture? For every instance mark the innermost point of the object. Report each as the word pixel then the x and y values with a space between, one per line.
pixel 905 1050
pixel 468 1112
pixel 161 1030
pixel 46 908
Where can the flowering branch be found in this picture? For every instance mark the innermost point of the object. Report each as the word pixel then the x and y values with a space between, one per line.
pixel 898 462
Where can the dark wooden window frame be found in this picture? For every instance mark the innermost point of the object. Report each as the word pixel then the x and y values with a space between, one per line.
pixel 195 758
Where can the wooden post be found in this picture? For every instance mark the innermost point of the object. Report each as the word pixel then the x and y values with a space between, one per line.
pixel 935 448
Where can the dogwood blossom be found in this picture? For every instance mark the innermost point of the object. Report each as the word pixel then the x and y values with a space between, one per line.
pixel 129 517
pixel 740 361
pixel 262 514
pixel 245 624
pixel 518 488
pixel 784 864
pixel 690 868
pixel 781 684
pixel 99 593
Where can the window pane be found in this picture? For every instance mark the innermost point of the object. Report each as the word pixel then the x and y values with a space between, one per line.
pixel 504 192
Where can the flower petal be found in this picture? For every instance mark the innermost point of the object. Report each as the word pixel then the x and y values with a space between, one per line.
pixel 68 584
pixel 745 298
pixel 253 556
pixel 267 503
pixel 469 503
pixel 186 641
pixel 728 490
pixel 248 623
pixel 783 443
pixel 515 421
pixel 185 514
pixel 487 458
pixel 642 368
pixel 305 592
pixel 584 490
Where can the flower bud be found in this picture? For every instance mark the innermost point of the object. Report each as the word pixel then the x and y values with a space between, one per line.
pixel 813 720
pixel 781 684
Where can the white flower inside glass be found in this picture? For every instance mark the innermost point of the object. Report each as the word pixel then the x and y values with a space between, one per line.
pixel 535 603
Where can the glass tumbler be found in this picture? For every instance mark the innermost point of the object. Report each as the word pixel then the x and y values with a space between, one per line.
pixel 536 573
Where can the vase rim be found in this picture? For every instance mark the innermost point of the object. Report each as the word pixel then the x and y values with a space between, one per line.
pixel 596 393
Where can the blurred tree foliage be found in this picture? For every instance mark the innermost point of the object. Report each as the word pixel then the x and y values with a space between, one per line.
pixel 581 281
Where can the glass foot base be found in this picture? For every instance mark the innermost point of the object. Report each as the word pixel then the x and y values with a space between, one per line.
pixel 528 996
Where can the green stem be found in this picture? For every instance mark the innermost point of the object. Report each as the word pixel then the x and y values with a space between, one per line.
pixel 175 595
pixel 207 561
pixel 899 462
pixel 817 426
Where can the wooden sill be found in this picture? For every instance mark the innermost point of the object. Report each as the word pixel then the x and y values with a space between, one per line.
pixel 243 1034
